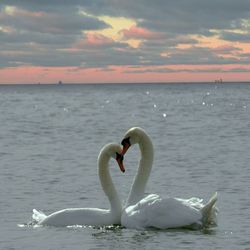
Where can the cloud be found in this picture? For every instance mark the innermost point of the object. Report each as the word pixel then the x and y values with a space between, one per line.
pixel 95 40
pixel 35 37
pixel 226 49
pixel 69 33
pixel 164 70
pixel 135 32
pixel 235 36
pixel 54 23
pixel 181 17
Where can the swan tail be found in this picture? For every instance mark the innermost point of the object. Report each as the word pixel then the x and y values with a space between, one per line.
pixel 209 211
pixel 38 216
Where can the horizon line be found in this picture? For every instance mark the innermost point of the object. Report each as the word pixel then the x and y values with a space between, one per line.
pixel 127 83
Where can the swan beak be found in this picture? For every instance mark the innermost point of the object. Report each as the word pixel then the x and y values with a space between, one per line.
pixel 125 148
pixel 120 163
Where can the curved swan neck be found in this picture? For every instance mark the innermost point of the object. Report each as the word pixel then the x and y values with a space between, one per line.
pixel 147 155
pixel 107 183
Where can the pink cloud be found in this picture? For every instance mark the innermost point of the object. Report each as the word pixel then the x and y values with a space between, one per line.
pixel 135 32
pixel 98 39
pixel 94 40
pixel 226 49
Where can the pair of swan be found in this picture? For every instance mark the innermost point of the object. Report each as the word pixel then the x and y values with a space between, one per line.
pixel 139 212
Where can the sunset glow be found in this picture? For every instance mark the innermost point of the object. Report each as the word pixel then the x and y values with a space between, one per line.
pixel 123 42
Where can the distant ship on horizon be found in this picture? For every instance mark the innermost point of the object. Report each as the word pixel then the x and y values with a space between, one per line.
pixel 218 80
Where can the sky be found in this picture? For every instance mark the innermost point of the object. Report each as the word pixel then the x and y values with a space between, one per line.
pixel 117 41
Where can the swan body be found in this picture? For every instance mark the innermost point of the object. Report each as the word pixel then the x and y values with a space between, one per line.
pixel 165 213
pixel 91 216
pixel 76 216
pixel 153 210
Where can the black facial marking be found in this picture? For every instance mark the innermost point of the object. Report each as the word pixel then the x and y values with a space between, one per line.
pixel 119 157
pixel 126 141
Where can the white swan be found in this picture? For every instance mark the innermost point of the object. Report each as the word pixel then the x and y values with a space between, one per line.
pixel 91 216
pixel 153 211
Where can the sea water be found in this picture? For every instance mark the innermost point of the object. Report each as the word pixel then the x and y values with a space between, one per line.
pixel 50 137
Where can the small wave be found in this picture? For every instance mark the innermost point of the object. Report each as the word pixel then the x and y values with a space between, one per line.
pixel 32 223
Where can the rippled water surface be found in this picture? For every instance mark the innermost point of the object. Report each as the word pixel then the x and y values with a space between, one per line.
pixel 50 137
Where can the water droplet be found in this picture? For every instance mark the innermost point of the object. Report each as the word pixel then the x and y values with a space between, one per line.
pixel 21 225
pixel 164 115
pixel 203 103
pixel 147 92
pixel 155 106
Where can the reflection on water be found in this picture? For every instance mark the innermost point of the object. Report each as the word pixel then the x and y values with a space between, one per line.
pixel 123 238
pixel 114 237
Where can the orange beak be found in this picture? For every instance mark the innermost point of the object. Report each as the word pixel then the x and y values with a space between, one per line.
pixel 120 163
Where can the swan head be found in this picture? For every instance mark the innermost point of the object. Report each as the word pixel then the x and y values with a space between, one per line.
pixel 131 137
pixel 114 151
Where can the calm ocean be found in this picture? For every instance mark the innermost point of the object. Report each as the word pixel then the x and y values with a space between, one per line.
pixel 50 137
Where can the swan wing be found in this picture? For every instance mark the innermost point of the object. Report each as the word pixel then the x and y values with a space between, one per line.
pixel 153 211
pixel 38 216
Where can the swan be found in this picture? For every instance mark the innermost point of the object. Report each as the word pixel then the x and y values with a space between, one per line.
pixel 154 211
pixel 91 216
